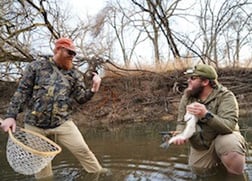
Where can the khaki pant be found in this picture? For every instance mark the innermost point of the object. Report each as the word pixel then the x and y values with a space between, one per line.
pixel 69 136
pixel 206 162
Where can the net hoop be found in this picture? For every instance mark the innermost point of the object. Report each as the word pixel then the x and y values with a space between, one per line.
pixel 28 152
pixel 33 151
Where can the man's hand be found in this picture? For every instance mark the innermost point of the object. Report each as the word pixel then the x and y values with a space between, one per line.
pixel 179 140
pixel 9 123
pixel 197 109
pixel 96 82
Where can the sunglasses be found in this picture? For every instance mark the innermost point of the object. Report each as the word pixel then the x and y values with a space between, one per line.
pixel 70 52
pixel 194 77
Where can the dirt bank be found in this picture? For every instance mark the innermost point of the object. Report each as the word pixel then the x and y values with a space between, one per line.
pixel 144 97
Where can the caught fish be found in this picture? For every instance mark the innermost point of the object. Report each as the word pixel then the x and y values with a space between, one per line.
pixel 191 121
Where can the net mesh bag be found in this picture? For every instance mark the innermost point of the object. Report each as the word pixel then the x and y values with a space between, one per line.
pixel 29 152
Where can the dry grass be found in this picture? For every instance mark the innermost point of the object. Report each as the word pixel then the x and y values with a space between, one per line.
pixel 179 64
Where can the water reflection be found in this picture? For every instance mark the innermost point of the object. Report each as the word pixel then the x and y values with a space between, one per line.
pixel 132 154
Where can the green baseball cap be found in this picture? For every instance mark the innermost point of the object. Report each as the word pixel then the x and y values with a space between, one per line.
pixel 202 70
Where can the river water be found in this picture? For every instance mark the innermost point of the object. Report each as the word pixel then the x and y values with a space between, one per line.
pixel 131 153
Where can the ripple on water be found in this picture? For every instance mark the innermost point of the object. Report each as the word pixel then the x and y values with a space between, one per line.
pixel 136 169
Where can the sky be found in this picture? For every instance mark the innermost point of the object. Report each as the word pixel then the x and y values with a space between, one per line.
pixel 83 7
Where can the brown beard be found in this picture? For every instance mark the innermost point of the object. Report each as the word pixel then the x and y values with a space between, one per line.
pixel 64 63
pixel 195 92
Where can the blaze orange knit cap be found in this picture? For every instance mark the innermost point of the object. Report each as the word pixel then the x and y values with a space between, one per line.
pixel 65 43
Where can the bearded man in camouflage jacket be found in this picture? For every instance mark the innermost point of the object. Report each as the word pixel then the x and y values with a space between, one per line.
pixel 48 89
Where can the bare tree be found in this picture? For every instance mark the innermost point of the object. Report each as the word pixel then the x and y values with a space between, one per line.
pixel 21 19
pixel 155 36
pixel 120 19
pixel 213 20
pixel 237 36
pixel 28 27
pixel 160 11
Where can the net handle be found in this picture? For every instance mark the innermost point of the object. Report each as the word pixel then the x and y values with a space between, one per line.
pixel 31 149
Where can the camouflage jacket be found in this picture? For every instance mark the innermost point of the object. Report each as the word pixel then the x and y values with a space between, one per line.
pixel 224 107
pixel 48 95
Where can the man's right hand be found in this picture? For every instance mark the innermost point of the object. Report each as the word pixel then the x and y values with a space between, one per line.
pixel 9 123
pixel 178 140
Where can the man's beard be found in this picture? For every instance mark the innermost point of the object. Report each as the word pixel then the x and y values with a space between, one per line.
pixel 65 63
pixel 195 92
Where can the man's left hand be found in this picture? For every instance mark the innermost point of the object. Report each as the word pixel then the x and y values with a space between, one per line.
pixel 96 82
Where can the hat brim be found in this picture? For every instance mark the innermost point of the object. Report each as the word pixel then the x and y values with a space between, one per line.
pixel 68 48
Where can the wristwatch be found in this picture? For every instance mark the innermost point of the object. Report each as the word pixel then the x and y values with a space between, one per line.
pixel 207 117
